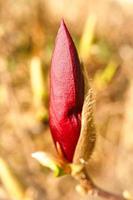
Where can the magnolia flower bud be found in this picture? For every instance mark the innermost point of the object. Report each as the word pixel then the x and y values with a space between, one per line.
pixel 66 94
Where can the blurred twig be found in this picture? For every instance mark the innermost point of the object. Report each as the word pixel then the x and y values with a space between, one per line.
pixel 38 85
pixel 103 78
pixel 11 182
pixel 87 37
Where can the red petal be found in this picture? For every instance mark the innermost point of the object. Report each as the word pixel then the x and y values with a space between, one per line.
pixel 67 93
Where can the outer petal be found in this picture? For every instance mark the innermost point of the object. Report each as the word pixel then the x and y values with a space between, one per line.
pixel 67 93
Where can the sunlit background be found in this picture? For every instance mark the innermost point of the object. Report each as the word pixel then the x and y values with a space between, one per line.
pixel 103 34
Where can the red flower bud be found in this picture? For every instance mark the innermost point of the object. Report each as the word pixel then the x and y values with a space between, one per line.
pixel 66 93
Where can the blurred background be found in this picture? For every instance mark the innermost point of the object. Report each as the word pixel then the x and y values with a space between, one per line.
pixel 103 34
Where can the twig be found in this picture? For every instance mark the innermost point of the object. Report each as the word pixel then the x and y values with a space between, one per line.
pixel 92 189
pixel 78 172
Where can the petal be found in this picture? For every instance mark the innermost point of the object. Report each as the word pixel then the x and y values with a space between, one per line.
pixel 66 93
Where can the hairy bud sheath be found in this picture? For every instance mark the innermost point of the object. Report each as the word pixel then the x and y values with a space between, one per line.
pixel 66 93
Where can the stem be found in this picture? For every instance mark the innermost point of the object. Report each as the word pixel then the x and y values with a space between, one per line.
pixel 94 190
